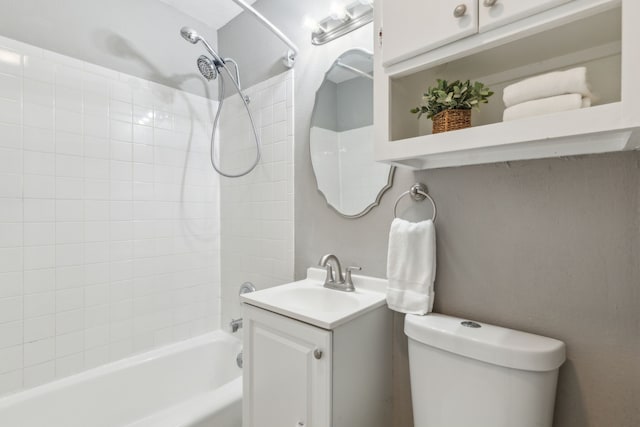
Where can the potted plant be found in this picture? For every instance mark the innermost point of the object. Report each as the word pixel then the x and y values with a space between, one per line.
pixel 449 104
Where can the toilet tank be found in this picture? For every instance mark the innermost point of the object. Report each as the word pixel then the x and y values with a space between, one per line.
pixel 466 373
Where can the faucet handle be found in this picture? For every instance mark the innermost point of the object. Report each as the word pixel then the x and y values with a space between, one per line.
pixel 347 279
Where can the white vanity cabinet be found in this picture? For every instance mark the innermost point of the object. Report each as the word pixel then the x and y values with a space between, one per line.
pixel 515 40
pixel 411 27
pixel 287 365
pixel 300 375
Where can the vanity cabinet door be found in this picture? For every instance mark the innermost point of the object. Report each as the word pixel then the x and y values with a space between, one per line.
pixel 287 382
pixel 495 13
pixel 411 27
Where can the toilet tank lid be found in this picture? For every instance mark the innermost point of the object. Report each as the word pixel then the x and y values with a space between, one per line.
pixel 491 344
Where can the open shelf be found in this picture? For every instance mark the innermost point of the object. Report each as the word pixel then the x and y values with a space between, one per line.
pixel 591 38
pixel 592 130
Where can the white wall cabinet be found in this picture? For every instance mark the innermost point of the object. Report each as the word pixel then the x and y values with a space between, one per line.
pixel 299 375
pixel 494 13
pixel 411 27
pixel 416 26
pixel 516 39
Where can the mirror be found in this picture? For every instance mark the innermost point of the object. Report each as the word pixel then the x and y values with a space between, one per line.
pixel 341 137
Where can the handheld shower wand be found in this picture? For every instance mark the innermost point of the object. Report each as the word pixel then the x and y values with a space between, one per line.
pixel 210 69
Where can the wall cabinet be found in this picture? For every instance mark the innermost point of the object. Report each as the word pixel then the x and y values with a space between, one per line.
pixel 494 13
pixel 415 26
pixel 515 39
pixel 299 375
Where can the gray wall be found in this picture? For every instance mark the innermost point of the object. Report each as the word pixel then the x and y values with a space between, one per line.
pixel 547 246
pixel 344 106
pixel 140 37
pixel 355 104
pixel 325 112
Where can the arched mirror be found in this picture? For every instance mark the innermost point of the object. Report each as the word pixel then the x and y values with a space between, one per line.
pixel 341 137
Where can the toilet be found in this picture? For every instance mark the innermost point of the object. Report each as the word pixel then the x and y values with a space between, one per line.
pixel 466 373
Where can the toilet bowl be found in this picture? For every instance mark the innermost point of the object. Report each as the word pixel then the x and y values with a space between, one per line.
pixel 466 373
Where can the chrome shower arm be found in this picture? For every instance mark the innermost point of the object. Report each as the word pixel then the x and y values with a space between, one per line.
pixel 192 36
pixel 293 53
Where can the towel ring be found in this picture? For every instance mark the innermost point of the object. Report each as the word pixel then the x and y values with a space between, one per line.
pixel 418 192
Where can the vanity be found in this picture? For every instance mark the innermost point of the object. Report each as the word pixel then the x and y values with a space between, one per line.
pixel 317 357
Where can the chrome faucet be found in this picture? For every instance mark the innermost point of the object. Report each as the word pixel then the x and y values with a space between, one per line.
pixel 235 325
pixel 340 283
pixel 325 261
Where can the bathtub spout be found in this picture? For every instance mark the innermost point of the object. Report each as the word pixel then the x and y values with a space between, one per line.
pixel 239 360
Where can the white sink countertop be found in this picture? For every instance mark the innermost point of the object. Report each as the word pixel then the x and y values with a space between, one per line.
pixel 310 302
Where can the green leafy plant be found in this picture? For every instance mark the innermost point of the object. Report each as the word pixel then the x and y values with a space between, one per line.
pixel 456 95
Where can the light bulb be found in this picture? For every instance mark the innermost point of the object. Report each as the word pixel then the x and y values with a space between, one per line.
pixel 366 2
pixel 339 12
pixel 312 25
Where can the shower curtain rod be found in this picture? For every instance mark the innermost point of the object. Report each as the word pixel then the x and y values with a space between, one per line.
pixel 290 56
pixel 354 70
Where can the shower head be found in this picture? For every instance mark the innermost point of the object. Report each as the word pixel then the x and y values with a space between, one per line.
pixel 190 35
pixel 207 67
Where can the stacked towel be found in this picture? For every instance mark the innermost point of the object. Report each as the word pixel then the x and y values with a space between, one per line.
pixel 411 266
pixel 548 93
pixel 553 104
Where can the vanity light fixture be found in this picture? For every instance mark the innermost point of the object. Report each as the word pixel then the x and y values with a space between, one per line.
pixel 312 25
pixel 342 20
pixel 340 13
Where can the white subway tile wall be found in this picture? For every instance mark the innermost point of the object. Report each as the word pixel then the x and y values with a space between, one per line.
pixel 257 210
pixel 109 216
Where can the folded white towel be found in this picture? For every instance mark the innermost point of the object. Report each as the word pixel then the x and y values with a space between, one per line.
pixel 553 104
pixel 546 85
pixel 411 266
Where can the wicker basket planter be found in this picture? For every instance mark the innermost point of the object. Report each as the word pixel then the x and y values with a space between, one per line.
pixel 448 120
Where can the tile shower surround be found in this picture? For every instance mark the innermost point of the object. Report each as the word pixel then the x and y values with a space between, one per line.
pixel 257 209
pixel 109 216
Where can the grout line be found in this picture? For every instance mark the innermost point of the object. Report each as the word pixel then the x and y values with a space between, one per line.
pixel 23 221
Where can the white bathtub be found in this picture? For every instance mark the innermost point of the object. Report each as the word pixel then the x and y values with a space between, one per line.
pixel 195 383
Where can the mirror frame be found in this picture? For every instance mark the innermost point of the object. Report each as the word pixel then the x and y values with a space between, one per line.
pixel 392 168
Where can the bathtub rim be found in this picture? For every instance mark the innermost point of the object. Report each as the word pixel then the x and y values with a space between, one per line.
pixel 128 362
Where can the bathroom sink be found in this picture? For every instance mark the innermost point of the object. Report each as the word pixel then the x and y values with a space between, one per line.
pixel 319 299
pixel 309 301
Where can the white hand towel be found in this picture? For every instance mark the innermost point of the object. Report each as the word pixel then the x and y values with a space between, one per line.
pixel 546 85
pixel 411 266
pixel 553 104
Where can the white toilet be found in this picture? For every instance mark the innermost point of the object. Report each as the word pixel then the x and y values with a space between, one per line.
pixel 470 374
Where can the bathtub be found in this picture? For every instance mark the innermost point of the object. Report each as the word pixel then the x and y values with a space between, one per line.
pixel 194 383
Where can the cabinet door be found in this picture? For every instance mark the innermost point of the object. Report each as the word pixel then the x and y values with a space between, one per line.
pixel 411 27
pixel 501 12
pixel 285 383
